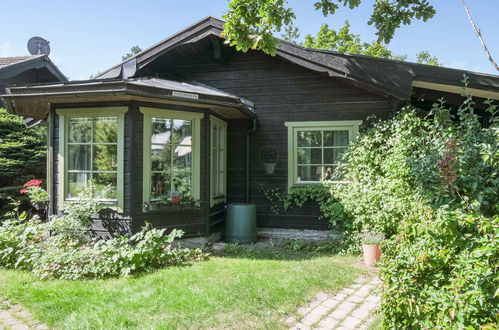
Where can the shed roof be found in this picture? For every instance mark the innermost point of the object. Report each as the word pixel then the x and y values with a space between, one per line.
pixel 12 66
pixel 34 100
pixel 392 77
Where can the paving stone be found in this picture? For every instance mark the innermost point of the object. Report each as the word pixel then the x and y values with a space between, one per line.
pixel 355 299
pixel 361 313
pixel 302 326
pixel 346 306
pixel 315 315
pixel 4 315
pixel 303 310
pixel 314 304
pixel 328 323
pixel 340 296
pixel 355 286
pixel 24 314
pixel 365 290
pixel 330 303
pixel 351 322
pixel 347 291
pixel 373 299
pixel 20 327
pixel 321 296
pixel 10 321
pixel 291 320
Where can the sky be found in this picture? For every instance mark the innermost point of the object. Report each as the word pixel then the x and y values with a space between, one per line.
pixel 90 36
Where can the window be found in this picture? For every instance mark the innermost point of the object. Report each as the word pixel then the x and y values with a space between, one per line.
pixel 218 160
pixel 314 149
pixel 90 150
pixel 171 155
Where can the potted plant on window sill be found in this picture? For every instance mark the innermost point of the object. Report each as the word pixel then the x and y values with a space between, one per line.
pixel 172 202
pixel 371 247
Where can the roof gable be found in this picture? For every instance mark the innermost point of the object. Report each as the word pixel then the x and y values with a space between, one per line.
pixel 12 66
pixel 392 77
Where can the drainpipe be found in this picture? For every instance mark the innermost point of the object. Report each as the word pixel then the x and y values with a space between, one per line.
pixel 248 160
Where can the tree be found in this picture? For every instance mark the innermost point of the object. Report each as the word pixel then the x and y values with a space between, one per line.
pixel 251 24
pixel 291 34
pixel 133 51
pixel 345 41
pixel 22 156
pixel 424 57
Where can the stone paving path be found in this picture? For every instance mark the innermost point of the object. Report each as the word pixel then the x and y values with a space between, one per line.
pixel 351 308
pixel 14 317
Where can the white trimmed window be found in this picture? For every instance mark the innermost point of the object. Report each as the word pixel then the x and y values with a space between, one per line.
pixel 314 149
pixel 171 155
pixel 91 150
pixel 218 180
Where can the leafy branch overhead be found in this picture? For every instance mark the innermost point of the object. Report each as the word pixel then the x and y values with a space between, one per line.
pixel 251 24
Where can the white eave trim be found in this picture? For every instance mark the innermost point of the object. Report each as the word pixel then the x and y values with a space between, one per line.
pixel 456 89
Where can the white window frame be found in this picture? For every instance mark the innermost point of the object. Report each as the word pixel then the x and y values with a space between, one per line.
pixel 218 165
pixel 64 115
pixel 195 118
pixel 352 126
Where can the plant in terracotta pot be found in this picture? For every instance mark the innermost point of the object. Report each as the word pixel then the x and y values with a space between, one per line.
pixel 370 246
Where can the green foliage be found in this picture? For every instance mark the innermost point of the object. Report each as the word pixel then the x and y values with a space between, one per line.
pixel 62 248
pixel 371 238
pixel 431 186
pixel 442 267
pixel 284 199
pixel 345 41
pixel 22 157
pixel 424 57
pixel 133 51
pixel 250 24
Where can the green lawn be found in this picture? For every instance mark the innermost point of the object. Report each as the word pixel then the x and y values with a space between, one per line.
pixel 243 289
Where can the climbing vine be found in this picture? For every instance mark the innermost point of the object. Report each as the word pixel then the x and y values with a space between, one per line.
pixel 283 199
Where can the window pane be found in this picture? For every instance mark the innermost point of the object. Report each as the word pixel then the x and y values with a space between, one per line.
pixel 160 184
pixel 309 138
pixel 309 173
pixel 161 157
pixel 79 130
pixel 182 157
pixel 105 157
pixel 333 155
pixel 181 180
pixel 76 183
pixel 335 138
pixel 182 131
pixel 105 130
pixel 161 130
pixel 105 185
pixel 309 156
pixel 79 157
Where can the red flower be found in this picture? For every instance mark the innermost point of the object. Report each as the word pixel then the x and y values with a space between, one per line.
pixel 23 191
pixel 175 199
pixel 33 183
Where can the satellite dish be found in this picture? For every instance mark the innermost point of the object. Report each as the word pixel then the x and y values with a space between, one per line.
pixel 37 46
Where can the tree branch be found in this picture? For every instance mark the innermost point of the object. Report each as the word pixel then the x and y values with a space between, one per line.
pixel 479 35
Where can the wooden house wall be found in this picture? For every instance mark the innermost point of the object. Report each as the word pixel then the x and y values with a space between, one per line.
pixel 281 92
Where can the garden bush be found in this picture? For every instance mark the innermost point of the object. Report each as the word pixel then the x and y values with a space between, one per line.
pixel 22 157
pixel 431 185
pixel 62 247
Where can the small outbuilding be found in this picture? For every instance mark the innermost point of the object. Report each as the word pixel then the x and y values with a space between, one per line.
pixel 173 134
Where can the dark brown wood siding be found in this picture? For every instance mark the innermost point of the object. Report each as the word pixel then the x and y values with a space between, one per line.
pixel 281 92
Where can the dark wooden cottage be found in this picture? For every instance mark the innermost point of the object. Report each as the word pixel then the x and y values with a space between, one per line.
pixel 173 134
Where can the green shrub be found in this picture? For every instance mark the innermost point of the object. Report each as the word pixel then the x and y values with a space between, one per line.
pixel 22 157
pixel 440 271
pixel 431 186
pixel 62 248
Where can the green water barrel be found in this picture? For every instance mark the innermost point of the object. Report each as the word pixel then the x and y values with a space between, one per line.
pixel 240 226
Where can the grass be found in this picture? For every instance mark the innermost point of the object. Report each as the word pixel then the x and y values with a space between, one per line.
pixel 243 288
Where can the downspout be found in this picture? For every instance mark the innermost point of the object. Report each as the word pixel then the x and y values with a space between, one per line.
pixel 248 160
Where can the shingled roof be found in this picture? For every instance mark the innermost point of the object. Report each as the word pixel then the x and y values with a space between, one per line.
pixel 5 61
pixel 392 77
pixel 11 66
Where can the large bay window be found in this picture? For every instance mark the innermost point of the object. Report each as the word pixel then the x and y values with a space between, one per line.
pixel 218 160
pixel 314 149
pixel 91 150
pixel 171 162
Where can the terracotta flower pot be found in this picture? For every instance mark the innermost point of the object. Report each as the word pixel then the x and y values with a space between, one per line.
pixel 372 254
